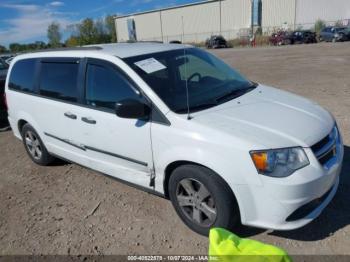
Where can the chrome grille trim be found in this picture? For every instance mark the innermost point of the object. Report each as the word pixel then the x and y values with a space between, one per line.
pixel 330 148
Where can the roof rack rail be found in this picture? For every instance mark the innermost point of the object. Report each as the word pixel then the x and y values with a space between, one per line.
pixel 81 48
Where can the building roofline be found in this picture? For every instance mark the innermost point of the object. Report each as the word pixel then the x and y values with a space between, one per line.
pixel 166 8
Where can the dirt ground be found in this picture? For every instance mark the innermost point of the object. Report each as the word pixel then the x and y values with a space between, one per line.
pixel 48 210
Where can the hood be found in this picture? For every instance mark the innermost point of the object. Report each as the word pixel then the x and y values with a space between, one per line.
pixel 269 118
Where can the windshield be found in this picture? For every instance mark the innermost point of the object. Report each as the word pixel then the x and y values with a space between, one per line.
pixel 209 80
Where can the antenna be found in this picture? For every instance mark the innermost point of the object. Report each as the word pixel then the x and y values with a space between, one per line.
pixel 186 83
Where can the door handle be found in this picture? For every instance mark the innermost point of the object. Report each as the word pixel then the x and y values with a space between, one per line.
pixel 88 120
pixel 70 115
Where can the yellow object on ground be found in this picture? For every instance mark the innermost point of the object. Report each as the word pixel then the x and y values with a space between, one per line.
pixel 225 246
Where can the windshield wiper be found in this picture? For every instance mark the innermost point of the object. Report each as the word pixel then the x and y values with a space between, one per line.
pixel 234 94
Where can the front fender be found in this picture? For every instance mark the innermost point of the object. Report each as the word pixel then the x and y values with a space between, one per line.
pixel 236 168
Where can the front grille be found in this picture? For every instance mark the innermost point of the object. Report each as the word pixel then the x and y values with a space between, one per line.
pixel 326 149
pixel 328 156
pixel 316 147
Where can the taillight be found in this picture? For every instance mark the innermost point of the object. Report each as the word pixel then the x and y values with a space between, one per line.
pixel 5 101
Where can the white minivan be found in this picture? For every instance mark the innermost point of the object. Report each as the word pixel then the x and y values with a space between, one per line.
pixel 177 121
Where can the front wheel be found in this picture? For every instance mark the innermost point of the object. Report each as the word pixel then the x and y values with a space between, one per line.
pixel 202 199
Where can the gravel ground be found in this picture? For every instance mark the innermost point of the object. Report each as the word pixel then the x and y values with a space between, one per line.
pixel 67 209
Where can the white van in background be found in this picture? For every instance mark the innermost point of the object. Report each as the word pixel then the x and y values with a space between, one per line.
pixel 177 121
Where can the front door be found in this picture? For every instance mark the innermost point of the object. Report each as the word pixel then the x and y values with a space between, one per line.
pixel 115 146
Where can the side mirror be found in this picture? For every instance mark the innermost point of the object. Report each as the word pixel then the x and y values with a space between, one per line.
pixel 132 109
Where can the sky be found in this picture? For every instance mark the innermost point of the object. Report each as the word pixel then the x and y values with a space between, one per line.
pixel 26 21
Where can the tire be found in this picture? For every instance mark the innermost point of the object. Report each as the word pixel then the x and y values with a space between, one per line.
pixel 210 195
pixel 35 147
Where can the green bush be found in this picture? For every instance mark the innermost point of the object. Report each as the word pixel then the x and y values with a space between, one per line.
pixel 319 26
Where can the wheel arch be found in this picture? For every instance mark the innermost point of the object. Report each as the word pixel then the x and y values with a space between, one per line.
pixel 23 118
pixel 20 125
pixel 172 166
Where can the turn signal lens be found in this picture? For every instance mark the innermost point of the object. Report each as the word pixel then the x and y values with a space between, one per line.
pixel 260 161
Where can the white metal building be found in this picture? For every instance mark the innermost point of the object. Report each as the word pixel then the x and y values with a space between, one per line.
pixel 231 18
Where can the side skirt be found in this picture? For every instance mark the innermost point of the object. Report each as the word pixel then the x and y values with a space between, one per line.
pixel 145 189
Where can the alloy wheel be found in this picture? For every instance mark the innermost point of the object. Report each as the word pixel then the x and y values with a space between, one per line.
pixel 33 145
pixel 196 202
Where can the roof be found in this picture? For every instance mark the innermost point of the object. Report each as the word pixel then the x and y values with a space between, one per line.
pixel 122 50
pixel 167 8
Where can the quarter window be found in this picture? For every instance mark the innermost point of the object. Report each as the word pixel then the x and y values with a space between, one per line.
pixel 59 80
pixel 23 75
pixel 105 87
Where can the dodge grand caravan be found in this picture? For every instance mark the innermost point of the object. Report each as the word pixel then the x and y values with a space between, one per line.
pixel 178 122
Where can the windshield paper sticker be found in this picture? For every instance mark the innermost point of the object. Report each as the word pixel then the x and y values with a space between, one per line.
pixel 150 65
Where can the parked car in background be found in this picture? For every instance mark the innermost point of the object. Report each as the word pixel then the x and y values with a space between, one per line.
pixel 3 73
pixel 280 38
pixel 5 56
pixel 346 33
pixel 8 60
pixel 216 41
pixel 335 34
pixel 179 122
pixel 175 42
pixel 303 37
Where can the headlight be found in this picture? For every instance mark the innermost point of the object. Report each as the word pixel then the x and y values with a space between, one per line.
pixel 279 162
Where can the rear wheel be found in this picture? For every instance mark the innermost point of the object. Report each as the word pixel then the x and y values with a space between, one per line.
pixel 202 199
pixel 35 147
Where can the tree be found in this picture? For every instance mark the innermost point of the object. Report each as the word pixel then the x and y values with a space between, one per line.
pixel 91 31
pixel 111 30
pixel 87 32
pixel 15 47
pixel 72 41
pixel 40 45
pixel 54 34
pixel 102 35
pixel 3 49
pixel 319 26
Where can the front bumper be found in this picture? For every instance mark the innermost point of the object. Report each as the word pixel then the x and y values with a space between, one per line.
pixel 280 202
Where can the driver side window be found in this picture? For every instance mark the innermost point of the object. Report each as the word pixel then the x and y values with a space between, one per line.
pixel 105 86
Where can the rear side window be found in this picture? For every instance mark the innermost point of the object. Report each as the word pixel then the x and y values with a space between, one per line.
pixel 59 80
pixel 23 75
pixel 106 86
